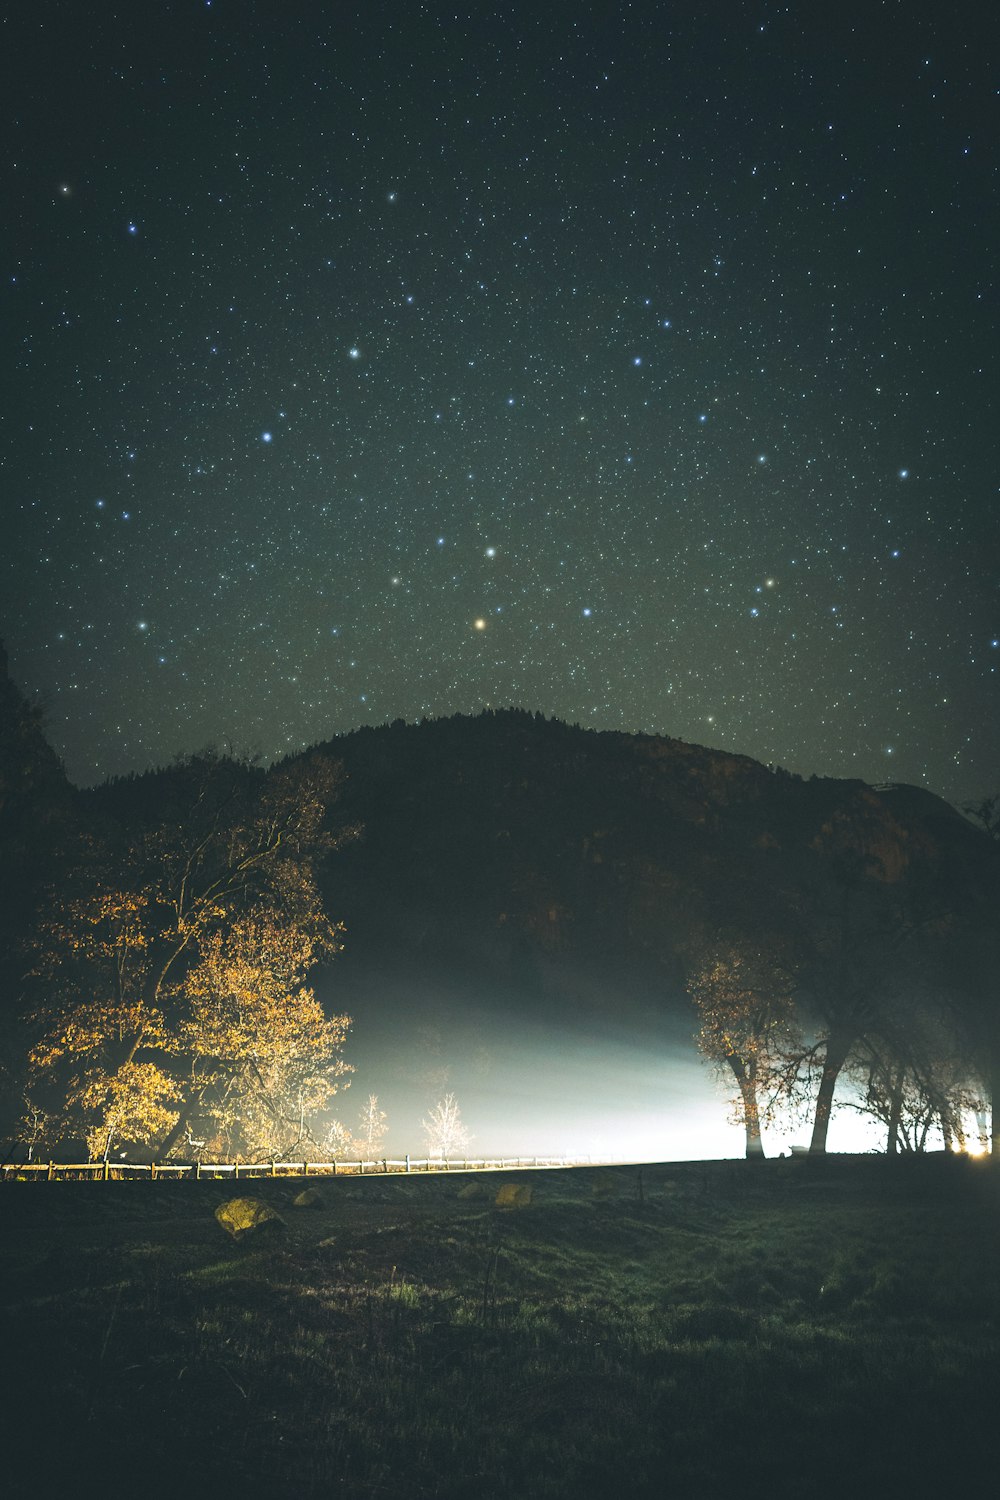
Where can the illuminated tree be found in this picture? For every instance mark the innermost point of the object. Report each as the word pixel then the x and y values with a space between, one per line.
pixel 172 965
pixel 446 1135
pixel 262 1059
pixel 336 1142
pixel 371 1134
pixel 748 1026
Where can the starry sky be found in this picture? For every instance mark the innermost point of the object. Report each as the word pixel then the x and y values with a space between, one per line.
pixel 631 362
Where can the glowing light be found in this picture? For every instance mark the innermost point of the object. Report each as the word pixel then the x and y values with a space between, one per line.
pixel 479 624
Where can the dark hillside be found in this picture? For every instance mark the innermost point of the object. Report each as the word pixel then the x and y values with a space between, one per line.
pixel 556 862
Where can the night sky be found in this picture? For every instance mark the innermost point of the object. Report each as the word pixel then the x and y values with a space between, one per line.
pixel 636 363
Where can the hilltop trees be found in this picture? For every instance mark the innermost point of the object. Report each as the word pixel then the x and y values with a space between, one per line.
pixel 171 967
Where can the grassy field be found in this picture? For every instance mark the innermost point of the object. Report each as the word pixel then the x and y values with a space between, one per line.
pixel 693 1330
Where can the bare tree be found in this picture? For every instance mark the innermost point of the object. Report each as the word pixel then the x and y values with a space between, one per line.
pixel 371 1135
pixel 446 1135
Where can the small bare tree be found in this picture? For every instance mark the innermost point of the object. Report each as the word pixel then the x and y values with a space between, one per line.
pixel 337 1142
pixel 446 1135
pixel 373 1129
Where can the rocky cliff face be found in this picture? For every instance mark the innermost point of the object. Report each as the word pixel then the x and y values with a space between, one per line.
pixel 35 803
pixel 32 780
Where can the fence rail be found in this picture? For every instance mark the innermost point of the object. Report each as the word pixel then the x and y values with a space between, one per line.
pixel 119 1171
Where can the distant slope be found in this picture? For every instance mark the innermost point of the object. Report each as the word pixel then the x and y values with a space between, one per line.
pixel 563 866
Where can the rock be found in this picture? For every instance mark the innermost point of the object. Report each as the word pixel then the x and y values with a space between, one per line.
pixel 242 1216
pixel 308 1198
pixel 513 1195
pixel 471 1190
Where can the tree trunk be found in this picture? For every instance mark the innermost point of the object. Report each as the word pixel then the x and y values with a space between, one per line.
pixel 983 1129
pixel 837 1049
pixel 746 1081
pixel 175 1132
pixel 895 1113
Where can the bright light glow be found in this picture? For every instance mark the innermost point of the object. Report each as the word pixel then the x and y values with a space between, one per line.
pixel 480 624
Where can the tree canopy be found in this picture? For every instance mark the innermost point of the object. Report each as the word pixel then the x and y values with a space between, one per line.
pixel 171 967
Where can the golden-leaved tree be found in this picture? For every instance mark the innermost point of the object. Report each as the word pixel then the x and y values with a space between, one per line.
pixel 171 967
pixel 748 1026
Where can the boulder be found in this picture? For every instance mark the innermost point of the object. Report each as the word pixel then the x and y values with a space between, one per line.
pixel 513 1195
pixel 308 1198
pixel 243 1216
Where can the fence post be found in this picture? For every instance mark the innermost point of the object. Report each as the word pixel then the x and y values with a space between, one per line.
pixel 197 1168
pixel 152 1171
pixel 236 1170
pixel 407 1163
pixel 52 1170
pixel 305 1169
pixel 274 1167
pixel 107 1170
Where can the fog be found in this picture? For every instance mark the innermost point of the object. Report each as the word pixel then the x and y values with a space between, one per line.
pixel 528 1087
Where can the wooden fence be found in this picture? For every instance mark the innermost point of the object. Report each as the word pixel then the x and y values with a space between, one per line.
pixel 120 1171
